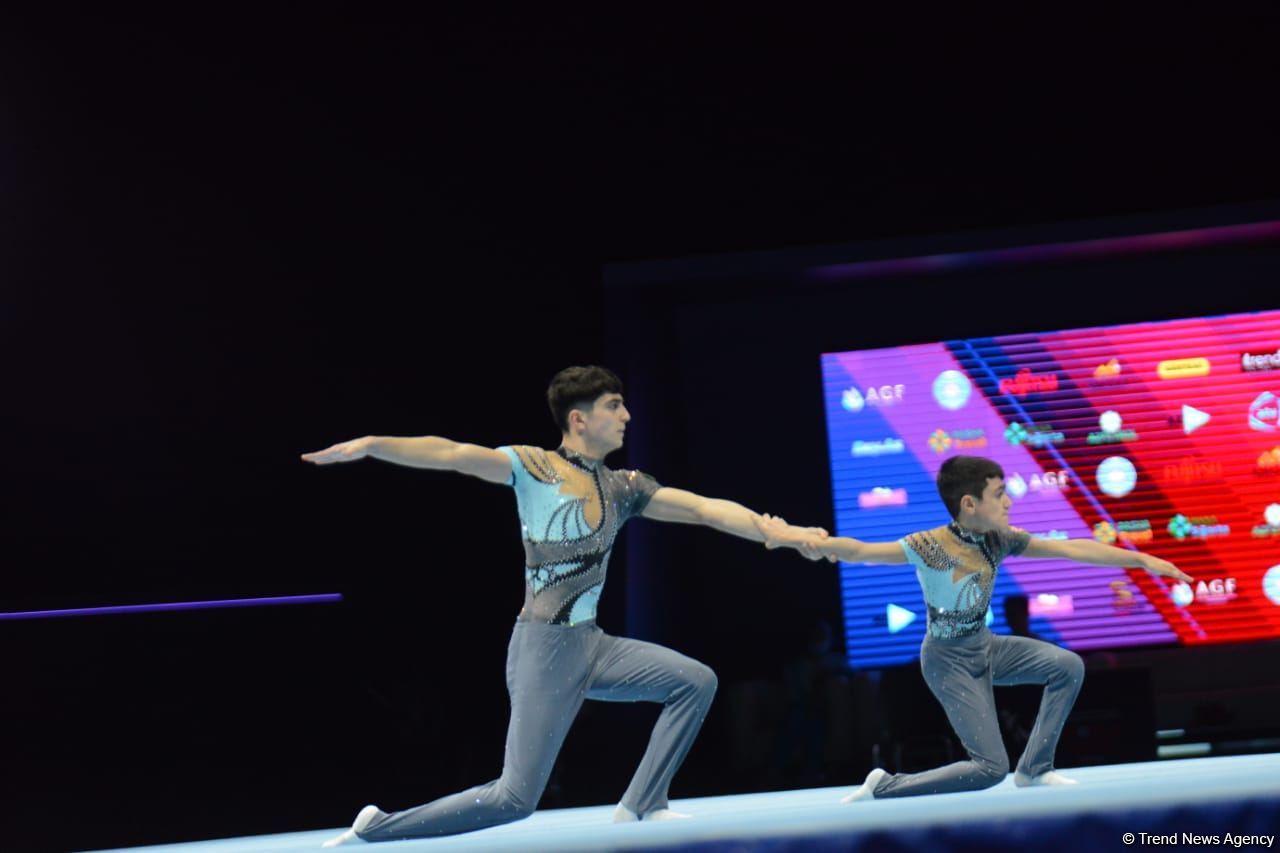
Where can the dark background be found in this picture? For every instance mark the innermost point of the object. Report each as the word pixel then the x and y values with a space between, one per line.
pixel 231 235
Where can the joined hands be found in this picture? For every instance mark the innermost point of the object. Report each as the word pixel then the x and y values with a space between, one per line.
pixel 807 540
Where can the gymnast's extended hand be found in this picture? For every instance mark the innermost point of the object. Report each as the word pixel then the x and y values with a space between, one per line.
pixel 1164 568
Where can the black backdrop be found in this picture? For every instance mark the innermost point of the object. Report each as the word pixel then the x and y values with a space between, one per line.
pixel 232 235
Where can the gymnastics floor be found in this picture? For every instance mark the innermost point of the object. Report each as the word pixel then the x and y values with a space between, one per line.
pixel 1227 797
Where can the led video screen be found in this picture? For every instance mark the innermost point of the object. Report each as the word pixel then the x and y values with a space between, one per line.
pixel 1161 436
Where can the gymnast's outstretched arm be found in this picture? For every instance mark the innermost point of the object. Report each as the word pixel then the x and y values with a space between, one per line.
pixel 429 451
pixel 685 507
pixel 1098 554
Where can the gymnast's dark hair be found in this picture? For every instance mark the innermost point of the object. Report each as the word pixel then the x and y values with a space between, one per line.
pixel 579 388
pixel 965 475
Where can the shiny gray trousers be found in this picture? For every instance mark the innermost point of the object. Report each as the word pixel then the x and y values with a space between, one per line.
pixel 551 669
pixel 961 673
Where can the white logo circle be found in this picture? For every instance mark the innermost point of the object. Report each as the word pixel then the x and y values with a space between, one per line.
pixel 1182 594
pixel 1272 514
pixel 1117 476
pixel 1271 584
pixel 1110 422
pixel 952 389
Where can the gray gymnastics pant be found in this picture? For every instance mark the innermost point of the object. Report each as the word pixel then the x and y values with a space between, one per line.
pixel 961 672
pixel 550 670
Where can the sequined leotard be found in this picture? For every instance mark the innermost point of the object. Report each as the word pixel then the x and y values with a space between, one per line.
pixel 957 571
pixel 571 509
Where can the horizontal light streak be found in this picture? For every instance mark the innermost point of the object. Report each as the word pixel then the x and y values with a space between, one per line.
pixel 324 598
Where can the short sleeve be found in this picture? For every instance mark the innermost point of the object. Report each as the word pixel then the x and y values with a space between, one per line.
pixel 910 552
pixel 925 552
pixel 640 488
pixel 1012 542
pixel 517 467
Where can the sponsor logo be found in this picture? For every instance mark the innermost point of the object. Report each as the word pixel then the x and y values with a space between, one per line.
pixel 1048 604
pixel 951 390
pixel 1250 362
pixel 1116 476
pixel 1190 470
pixel 1035 435
pixel 1268 462
pixel 876 396
pixel 962 439
pixel 882 496
pixel 1122 598
pixel 1052 534
pixel 1110 423
pixel 1214 591
pixel 1025 382
pixel 884 447
pixel 1049 482
pixel 1182 368
pixel 1110 370
pixel 1197 527
pixel 1135 532
pixel 1263 412
pixel 1271 525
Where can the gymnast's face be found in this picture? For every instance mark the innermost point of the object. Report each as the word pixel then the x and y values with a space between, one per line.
pixel 602 427
pixel 990 513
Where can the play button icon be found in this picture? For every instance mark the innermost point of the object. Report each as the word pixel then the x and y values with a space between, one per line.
pixel 899 618
pixel 1193 419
